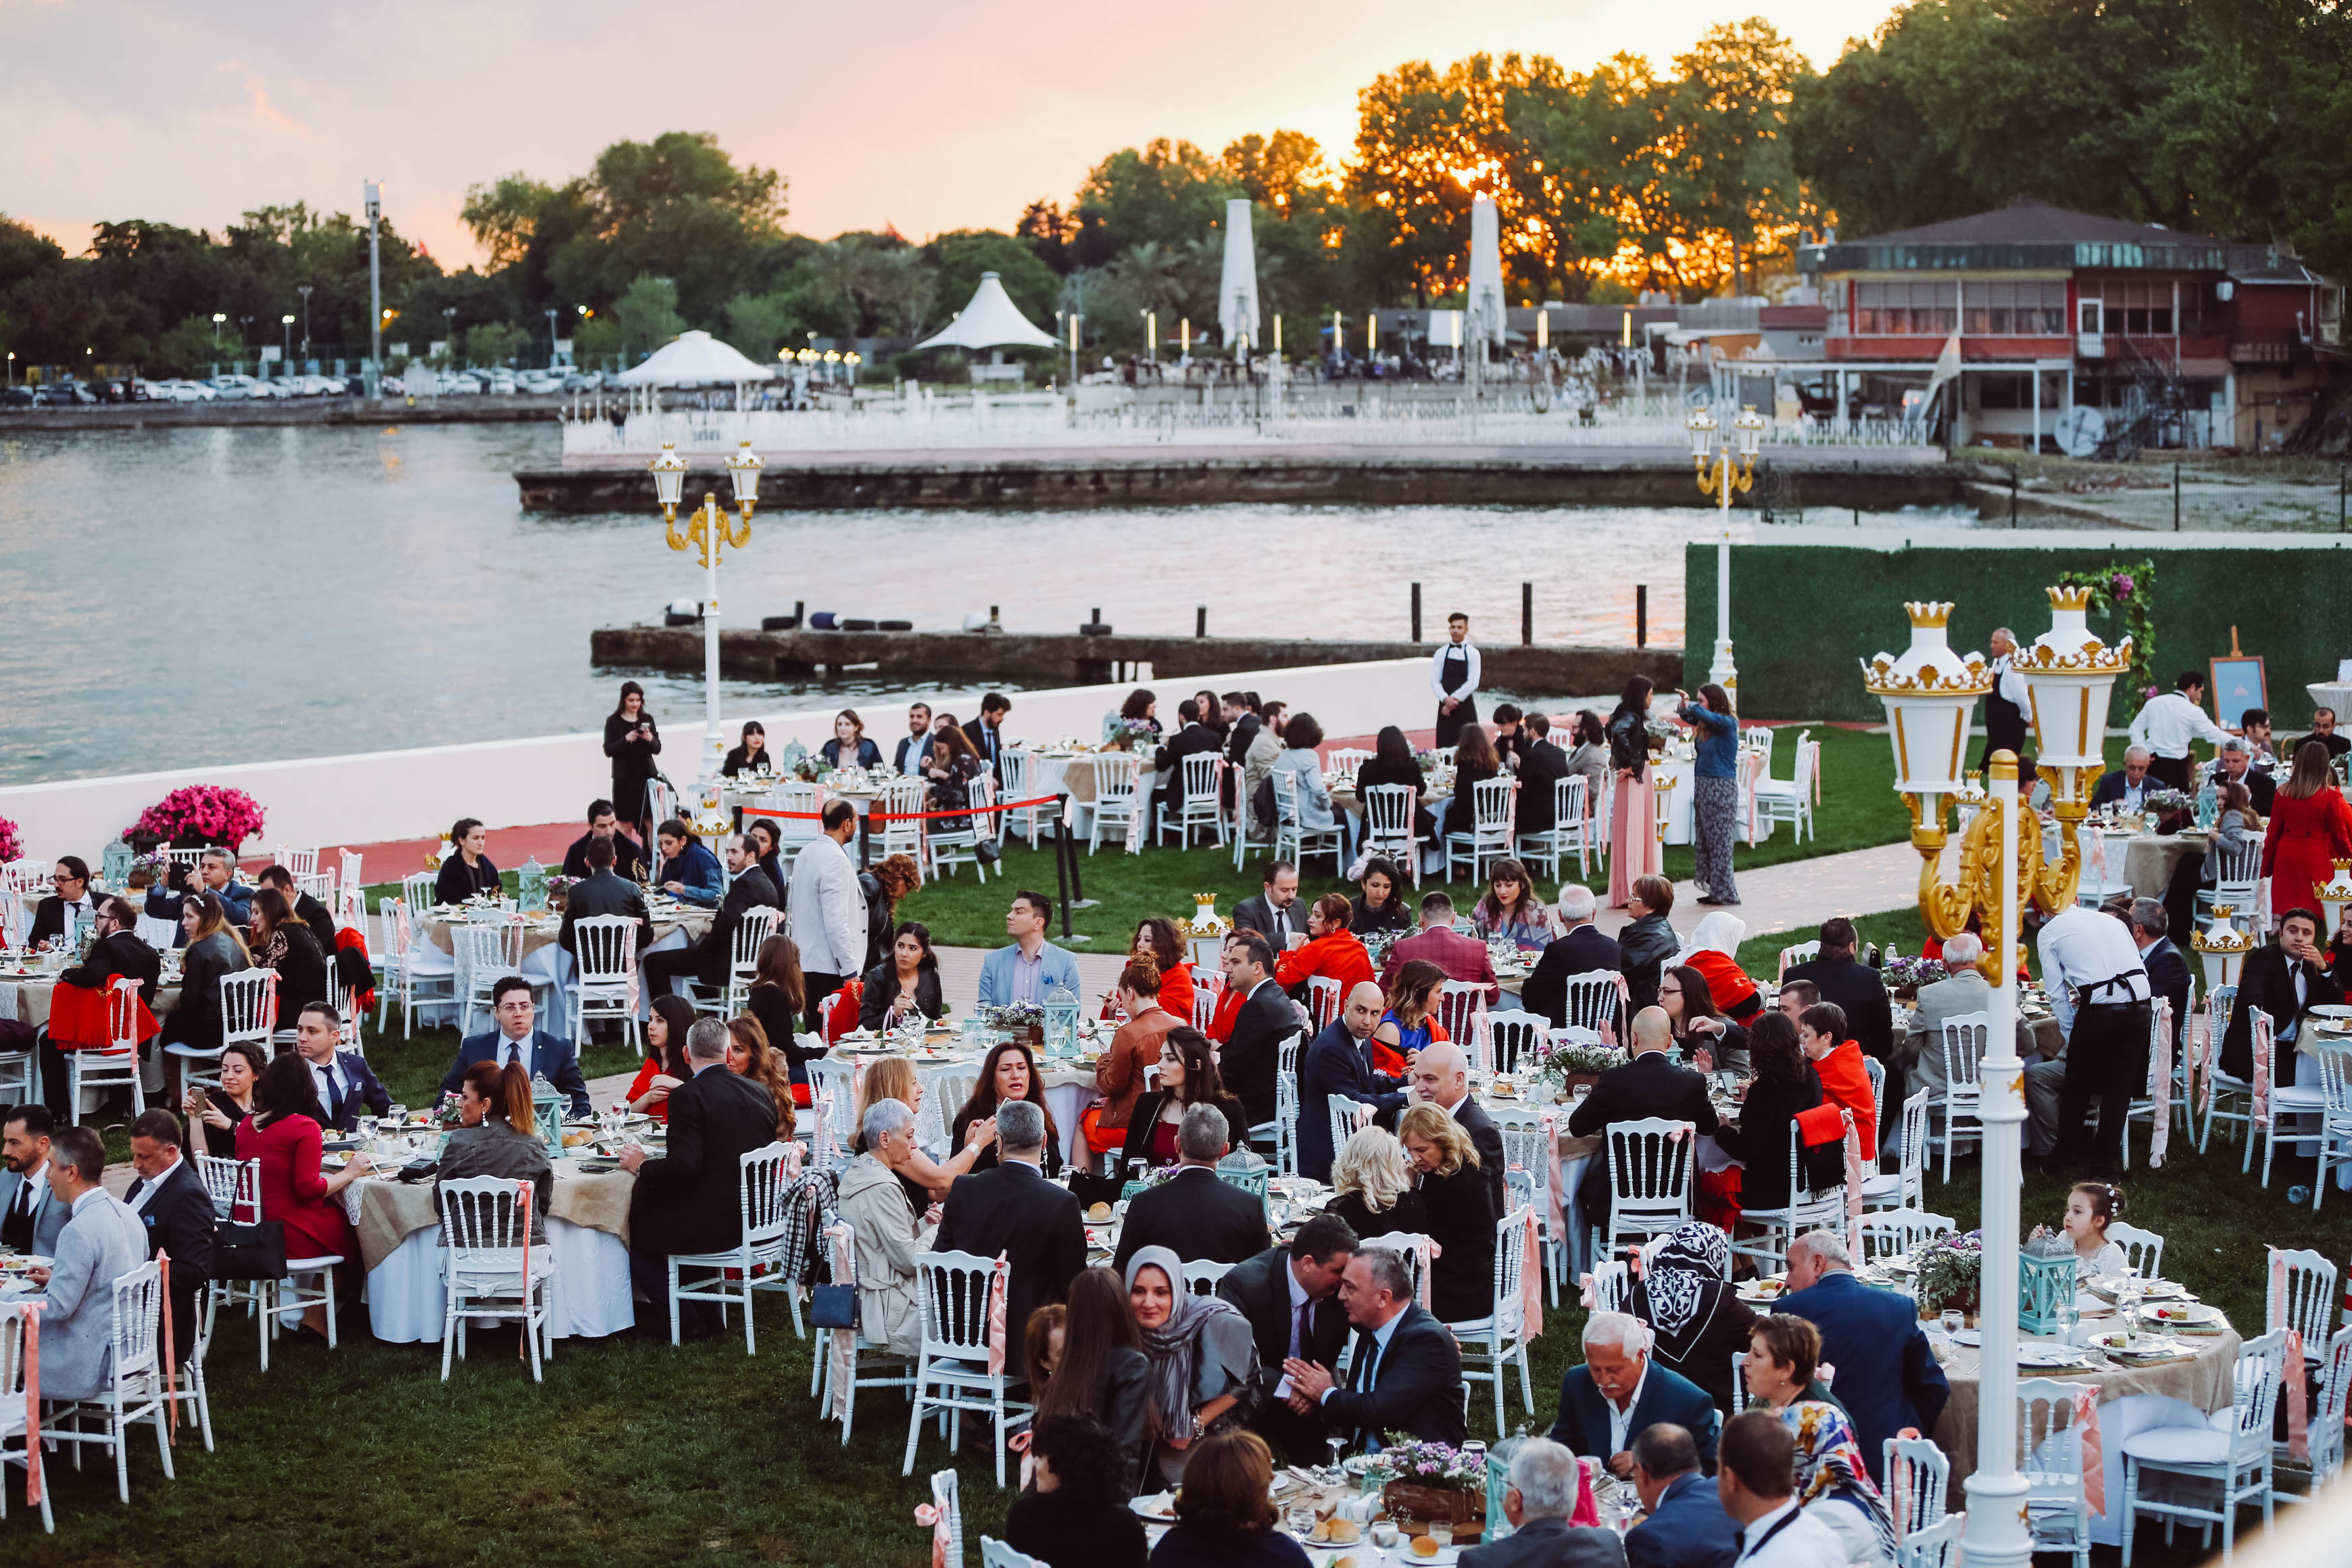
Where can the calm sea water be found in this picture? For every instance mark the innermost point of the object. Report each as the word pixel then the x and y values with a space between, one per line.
pixel 181 597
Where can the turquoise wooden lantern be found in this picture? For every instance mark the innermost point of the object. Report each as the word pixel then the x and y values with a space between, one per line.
pixel 2045 1287
pixel 531 885
pixel 547 1110
pixel 1061 1010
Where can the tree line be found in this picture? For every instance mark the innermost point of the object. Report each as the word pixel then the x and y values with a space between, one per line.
pixel 1692 179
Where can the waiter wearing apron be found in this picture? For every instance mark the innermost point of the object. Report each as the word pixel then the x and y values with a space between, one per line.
pixel 2099 991
pixel 2008 706
pixel 1453 679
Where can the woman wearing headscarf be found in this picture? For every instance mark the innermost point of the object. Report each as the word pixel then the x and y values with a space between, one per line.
pixel 1203 1356
pixel 1697 1322
pixel 1834 1485
pixel 1713 949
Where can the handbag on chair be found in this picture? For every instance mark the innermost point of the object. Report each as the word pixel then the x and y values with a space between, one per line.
pixel 249 1251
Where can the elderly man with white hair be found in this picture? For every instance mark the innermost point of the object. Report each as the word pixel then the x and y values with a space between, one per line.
pixel 1541 1495
pixel 891 1240
pixel 2127 788
pixel 1580 948
pixel 1887 1378
pixel 1617 1395
pixel 1441 1076
pixel 1965 991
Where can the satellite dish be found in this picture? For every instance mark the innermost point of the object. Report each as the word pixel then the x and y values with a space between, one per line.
pixel 2079 430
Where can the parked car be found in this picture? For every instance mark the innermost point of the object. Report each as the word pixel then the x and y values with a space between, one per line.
pixel 68 393
pixel 15 397
pixel 463 385
pixel 584 381
pixel 233 385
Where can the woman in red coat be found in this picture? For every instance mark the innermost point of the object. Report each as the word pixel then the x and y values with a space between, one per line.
pixel 284 1134
pixel 1333 951
pixel 2310 827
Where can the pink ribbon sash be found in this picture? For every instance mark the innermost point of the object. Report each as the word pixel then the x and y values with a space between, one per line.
pixel 2095 1464
pixel 2209 1048
pixel 31 1311
pixel 1531 1324
pixel 937 1518
pixel 996 1338
pixel 1555 1212
pixel 526 1199
pixel 2261 1086
pixel 1853 1180
pixel 2298 1407
pixel 2159 1086
pixel 843 1351
pixel 171 1360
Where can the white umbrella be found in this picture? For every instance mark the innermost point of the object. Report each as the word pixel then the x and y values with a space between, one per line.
pixel 991 321
pixel 695 359
pixel 1237 293
pixel 1486 271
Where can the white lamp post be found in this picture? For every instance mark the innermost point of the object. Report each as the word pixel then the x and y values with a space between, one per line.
pixel 2070 676
pixel 710 529
pixel 1719 476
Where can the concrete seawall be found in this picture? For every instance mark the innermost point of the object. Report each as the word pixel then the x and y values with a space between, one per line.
pixel 480 409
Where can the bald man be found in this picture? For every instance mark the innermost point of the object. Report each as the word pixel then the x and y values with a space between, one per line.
pixel 1652 1084
pixel 1441 1075
pixel 1340 1063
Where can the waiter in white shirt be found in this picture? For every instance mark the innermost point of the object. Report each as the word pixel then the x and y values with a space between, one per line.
pixel 2169 723
pixel 2009 706
pixel 1453 679
pixel 2099 991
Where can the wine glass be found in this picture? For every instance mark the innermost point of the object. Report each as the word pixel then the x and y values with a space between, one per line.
pixel 1338 1471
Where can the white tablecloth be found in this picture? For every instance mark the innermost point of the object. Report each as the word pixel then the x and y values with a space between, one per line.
pixel 589 1298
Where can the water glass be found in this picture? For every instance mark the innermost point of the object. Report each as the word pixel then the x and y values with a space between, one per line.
pixel 1440 1533
pixel 1951 1320
pixel 1301 1518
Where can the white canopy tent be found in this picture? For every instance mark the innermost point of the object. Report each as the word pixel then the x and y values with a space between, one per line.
pixel 1485 300
pixel 991 321
pixel 695 359
pixel 1237 292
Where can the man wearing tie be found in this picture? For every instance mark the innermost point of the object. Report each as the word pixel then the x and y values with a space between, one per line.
pixel 1406 1373
pixel 541 1055
pixel 1290 1295
pixel 986 733
pixel 70 907
pixel 30 1217
pixel 344 1080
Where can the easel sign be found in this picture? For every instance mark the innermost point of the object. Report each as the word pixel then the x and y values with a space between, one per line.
pixel 2238 684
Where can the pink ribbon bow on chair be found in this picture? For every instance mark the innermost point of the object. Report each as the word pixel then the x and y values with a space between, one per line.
pixel 31 1319
pixel 996 1340
pixel 2160 1085
pixel 2262 1084
pixel 843 1351
pixel 1531 1284
pixel 937 1518
pixel 2094 1463
pixel 1853 1180
pixel 2299 1404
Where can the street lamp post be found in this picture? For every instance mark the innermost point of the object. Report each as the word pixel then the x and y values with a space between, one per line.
pixel 218 317
pixel 710 529
pixel 1720 475
pixel 551 337
pixel 304 290
pixel 286 350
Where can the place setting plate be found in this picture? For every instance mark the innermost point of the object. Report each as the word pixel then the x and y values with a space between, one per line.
pixel 2110 1286
pixel 2187 1317
pixel 2119 1347
pixel 2047 1357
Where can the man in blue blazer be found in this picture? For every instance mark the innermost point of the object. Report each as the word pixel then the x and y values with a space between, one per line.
pixel 215 873
pixel 1340 1063
pixel 541 1055
pixel 1618 1393
pixel 345 1081
pixel 31 1218
pixel 1406 1374
pixel 1032 966
pixel 1686 1526
pixel 1887 1378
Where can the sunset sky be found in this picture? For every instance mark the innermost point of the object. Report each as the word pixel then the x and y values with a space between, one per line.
pixel 931 116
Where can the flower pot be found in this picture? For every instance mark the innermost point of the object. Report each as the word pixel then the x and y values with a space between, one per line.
pixel 1412 1505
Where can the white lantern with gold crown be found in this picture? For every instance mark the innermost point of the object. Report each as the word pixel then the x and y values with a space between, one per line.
pixel 2222 947
pixel 2070 676
pixel 1204 934
pixel 2333 895
pixel 1929 693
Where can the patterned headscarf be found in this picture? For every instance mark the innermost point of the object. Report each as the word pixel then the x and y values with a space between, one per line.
pixel 1830 1464
pixel 1174 1345
pixel 1686 1287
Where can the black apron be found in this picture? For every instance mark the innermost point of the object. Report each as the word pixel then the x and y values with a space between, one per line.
pixel 1453 676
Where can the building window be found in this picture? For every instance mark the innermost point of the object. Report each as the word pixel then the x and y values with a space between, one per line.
pixel 2138 309
pixel 2026 309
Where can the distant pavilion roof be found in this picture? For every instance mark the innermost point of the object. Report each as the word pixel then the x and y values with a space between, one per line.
pixel 694 359
pixel 991 321
pixel 2032 236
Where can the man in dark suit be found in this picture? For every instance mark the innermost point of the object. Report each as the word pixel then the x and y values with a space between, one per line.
pixel 171 1201
pixel 1619 1393
pixel 1406 1373
pixel 1195 1214
pixel 605 827
pixel 1275 913
pixel 1340 1063
pixel 2285 980
pixel 31 1217
pixel 1650 1085
pixel 689 1201
pixel 1016 1211
pixel 2167 966
pixel 1581 950
pixel 541 1055
pixel 1242 725
pixel 602 893
pixel 1858 989
pixel 708 960
pixel 1462 958
pixel 345 1082
pixel 2235 763
pixel 986 733
pixel 1887 1378
pixel 2126 789
pixel 1441 1076
pixel 215 873
pixel 1541 767
pixel 1686 1526
pixel 914 747
pixel 1252 1057
pixel 1540 1500
pixel 308 910
pixel 1193 738
pixel 1291 1297
pixel 58 914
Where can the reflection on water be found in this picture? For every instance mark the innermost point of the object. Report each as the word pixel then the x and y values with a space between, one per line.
pixel 176 597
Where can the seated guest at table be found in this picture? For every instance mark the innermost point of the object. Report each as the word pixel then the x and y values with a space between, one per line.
pixel 70 906
pixel 215 1112
pixel 849 748
pixel 891 1235
pixel 498 1135
pixel 1460 1206
pixel 1030 966
pixel 768 850
pixel 1156 939
pixel 1252 1055
pixel 1580 949
pixel 1257 762
pixel 1075 1513
pixel 1647 944
pixel 688 871
pixel 1542 765
pixel 604 893
pixel 1441 1076
pixel 1702 1036
pixel 308 910
pixel 2125 790
pixel 749 1054
pixel 171 1202
pixel 709 960
pixel 82 1004
pixel 2233 763
pixel 1142 709
pixel 1782 1365
pixel 514 1038
pixel 1193 738
pixel 30 1216
pixel 925 1180
pixel 751 755
pixel 1886 1375
pixel 905 987
pixel 1225 1515
pixel 283 1133
pixel 1303 763
pixel 1459 957
pixel 1685 1527
pixel 906 758
pixel 1239 722
pixel 1833 1484
pixel 1093 1364
pixel 1511 737
pixel 1291 1297
pixel 1275 913
pixel 1339 1064
pixel 986 733
pixel 2091 1206
pixel 1545 1484
pixel 1963 990
pixel 1858 989
pixel 1512 909
pixel 2254 724
pixel 1135 1049
pixel 345 1082
pixel 1012 1209
pixel 102 1241
pixel 1331 951
pixel 468 871
pixel 1587 745
pixel 1713 949
pixel 1406 1373
pixel 1837 1061
pixel 664 1067
pixel 1652 1084
pixel 775 999
pixel 1618 1393
pixel 214 951
pixel 280 941
pixel 1697 1322
pixel 689 1201
pixel 1392 762
pixel 1007 1073
pixel 952 767
pixel 215 874
pixel 1380 906
pixel 1188 1075
pixel 1758 1488
pixel 1196 1214
pixel 1372 1187
pixel 2324 730
pixel 2284 979
pixel 1474 763
pixel 605 825
pixel 1785 1084
pixel 1203 1356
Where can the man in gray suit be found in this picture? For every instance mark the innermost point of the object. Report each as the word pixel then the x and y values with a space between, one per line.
pixel 1541 1495
pixel 101 1243
pixel 31 1218
pixel 1967 991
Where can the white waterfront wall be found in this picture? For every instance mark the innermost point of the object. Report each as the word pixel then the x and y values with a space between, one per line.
pixel 378 795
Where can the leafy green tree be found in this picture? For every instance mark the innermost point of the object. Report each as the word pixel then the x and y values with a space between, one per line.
pixel 494 343
pixel 1731 158
pixel 646 314
pixel 1167 192
pixel 757 323
pixel 960 258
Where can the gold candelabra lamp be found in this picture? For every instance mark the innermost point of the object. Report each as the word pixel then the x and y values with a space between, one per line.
pixel 710 531
pixel 1662 792
pixel 2070 675
pixel 1720 477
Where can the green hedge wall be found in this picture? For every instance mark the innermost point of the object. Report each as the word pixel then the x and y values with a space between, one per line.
pixel 1803 616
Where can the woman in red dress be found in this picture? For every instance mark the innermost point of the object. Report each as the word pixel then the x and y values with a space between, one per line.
pixel 2310 828
pixel 284 1134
